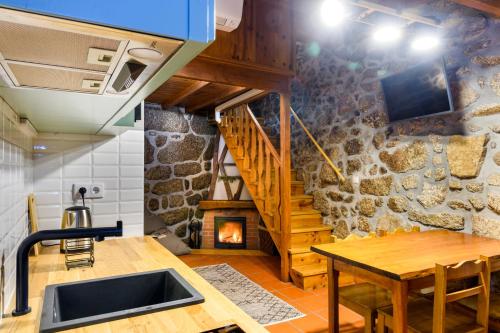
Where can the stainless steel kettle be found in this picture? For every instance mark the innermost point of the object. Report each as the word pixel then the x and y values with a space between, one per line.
pixel 76 217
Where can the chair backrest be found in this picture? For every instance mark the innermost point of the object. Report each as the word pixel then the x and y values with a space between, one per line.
pixel 352 237
pixel 398 230
pixel 461 271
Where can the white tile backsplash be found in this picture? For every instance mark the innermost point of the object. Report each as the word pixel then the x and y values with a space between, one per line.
pixel 16 182
pixel 104 171
pixel 109 146
pixel 47 185
pixel 77 171
pixel 132 159
pixel 113 183
pixel 105 158
pixel 105 208
pixel 131 195
pixel 116 162
pixel 132 171
pixel 131 183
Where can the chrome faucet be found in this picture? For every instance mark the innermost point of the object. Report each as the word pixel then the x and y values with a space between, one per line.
pixel 22 268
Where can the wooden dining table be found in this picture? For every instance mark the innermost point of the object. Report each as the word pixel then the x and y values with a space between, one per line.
pixel 400 263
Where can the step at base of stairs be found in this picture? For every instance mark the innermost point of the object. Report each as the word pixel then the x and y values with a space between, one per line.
pixel 310 283
pixel 303 237
pixel 313 277
pixel 319 227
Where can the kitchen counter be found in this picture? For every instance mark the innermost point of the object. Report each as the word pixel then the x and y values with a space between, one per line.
pixel 125 256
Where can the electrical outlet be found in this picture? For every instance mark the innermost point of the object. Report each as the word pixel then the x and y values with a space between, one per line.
pixel 93 191
pixel 96 191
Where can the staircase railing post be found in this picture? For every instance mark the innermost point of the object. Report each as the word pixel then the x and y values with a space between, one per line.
pixel 285 184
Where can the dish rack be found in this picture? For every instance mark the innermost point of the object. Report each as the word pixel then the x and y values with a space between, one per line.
pixel 79 253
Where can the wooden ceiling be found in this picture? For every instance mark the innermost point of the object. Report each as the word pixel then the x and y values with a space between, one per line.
pixel 194 95
pixel 259 54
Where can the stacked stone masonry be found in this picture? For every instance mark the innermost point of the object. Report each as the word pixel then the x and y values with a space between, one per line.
pixel 435 172
pixel 177 165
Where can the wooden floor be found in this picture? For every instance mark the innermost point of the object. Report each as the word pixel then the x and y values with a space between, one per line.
pixel 265 271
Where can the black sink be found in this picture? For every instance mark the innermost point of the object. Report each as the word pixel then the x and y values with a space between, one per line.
pixel 76 304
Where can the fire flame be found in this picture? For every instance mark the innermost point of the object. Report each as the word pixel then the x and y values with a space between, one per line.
pixel 230 232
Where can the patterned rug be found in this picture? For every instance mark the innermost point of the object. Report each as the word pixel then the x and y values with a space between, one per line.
pixel 257 302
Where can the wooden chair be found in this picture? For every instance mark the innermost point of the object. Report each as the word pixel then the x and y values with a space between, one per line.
pixel 365 298
pixel 470 303
pixel 398 230
pixel 436 317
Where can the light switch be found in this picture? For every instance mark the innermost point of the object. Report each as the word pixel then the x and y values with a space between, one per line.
pixel 100 56
pixel 91 84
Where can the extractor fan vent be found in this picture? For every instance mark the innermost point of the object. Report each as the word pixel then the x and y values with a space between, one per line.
pixel 128 74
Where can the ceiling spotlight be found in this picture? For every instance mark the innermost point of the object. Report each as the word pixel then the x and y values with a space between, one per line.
pixel 333 12
pixel 387 34
pixel 425 43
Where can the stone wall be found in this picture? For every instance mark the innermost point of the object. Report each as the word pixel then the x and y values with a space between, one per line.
pixel 436 172
pixel 177 165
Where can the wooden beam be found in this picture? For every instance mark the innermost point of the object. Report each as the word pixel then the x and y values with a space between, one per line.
pixel 481 6
pixel 215 166
pixel 394 12
pixel 231 91
pixel 227 186
pixel 206 69
pixel 226 204
pixel 183 94
pixel 286 185
pixel 245 98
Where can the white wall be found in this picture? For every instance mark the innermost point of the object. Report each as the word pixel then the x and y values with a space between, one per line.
pixel 220 190
pixel 117 162
pixel 15 185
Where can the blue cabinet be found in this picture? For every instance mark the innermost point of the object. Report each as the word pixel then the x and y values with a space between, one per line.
pixel 180 19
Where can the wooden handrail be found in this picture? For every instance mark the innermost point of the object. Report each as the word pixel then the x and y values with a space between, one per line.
pixel 258 161
pixel 321 151
pixel 263 134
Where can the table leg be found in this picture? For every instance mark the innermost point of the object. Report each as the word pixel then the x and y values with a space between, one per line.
pixel 333 298
pixel 400 306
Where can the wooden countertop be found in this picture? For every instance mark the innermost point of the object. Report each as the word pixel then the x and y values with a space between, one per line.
pixel 124 256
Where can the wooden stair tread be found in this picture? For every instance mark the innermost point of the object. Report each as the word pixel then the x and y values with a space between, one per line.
pixel 319 226
pixel 299 250
pixel 308 211
pixel 302 197
pixel 310 270
pixel 322 227
pixel 297 182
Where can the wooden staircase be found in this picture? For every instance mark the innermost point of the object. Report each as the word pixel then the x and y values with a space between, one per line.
pixel 293 225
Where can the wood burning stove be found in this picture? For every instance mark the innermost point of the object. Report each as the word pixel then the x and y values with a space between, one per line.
pixel 230 233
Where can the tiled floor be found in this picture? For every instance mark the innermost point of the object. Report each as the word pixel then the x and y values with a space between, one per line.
pixel 265 272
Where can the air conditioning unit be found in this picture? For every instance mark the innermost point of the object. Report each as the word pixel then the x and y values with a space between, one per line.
pixel 228 14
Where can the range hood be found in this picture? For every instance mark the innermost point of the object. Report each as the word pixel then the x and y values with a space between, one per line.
pixel 73 58
pixel 72 68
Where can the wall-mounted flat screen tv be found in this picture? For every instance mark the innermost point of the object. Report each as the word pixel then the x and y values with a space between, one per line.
pixel 419 91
